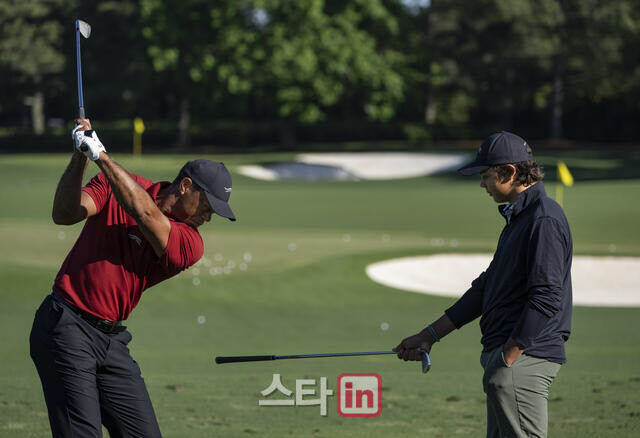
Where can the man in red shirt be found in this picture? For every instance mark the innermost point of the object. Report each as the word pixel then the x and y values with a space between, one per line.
pixel 136 235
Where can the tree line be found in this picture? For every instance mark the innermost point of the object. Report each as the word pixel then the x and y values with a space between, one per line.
pixel 245 72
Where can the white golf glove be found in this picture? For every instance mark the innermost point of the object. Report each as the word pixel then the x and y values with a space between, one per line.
pixel 87 142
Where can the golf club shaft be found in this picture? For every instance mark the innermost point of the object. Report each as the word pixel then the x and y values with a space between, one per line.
pixel 306 356
pixel 81 113
pixel 232 359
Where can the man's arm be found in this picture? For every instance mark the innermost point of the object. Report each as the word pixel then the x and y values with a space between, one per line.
pixel 409 348
pixel 466 309
pixel 70 204
pixel 469 306
pixel 137 203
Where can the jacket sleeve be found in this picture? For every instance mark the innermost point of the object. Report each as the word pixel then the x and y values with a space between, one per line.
pixel 469 306
pixel 548 260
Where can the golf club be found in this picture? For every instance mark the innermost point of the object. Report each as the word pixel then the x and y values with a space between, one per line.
pixel 426 361
pixel 84 29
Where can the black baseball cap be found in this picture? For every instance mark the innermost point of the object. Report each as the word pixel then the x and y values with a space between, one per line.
pixel 500 148
pixel 215 180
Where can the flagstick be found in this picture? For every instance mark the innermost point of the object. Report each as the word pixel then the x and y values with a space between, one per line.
pixel 559 193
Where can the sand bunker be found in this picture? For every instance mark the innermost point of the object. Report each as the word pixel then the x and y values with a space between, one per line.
pixel 297 171
pixel 354 166
pixel 597 281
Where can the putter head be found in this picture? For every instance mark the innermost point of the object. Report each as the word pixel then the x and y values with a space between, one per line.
pixel 426 362
pixel 84 28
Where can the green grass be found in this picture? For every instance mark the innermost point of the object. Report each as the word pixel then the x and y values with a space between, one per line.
pixel 318 299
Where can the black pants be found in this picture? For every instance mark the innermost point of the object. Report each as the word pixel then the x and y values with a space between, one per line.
pixel 88 377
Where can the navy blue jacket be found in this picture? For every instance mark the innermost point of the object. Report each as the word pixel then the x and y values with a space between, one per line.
pixel 526 291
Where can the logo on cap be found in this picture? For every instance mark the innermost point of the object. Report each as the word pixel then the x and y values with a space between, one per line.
pixel 227 189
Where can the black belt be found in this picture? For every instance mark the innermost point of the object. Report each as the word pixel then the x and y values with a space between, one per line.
pixel 104 325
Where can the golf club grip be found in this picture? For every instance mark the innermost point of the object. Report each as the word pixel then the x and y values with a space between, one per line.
pixel 81 114
pixel 232 359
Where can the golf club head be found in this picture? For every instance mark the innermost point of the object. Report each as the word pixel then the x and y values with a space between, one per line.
pixel 84 28
pixel 426 362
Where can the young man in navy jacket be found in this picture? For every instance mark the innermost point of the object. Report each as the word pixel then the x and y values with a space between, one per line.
pixel 523 298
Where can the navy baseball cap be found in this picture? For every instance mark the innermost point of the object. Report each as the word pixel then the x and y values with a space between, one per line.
pixel 500 148
pixel 215 180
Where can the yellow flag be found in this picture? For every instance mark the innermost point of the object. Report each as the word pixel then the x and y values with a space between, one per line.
pixel 564 174
pixel 138 129
pixel 138 125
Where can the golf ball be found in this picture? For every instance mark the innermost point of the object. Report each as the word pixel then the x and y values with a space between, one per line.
pixel 384 326
pixel 201 319
pixel 196 281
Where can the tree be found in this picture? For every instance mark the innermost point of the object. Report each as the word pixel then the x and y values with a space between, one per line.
pixel 601 56
pixel 442 92
pixel 294 60
pixel 30 41
pixel 180 45
pixel 528 56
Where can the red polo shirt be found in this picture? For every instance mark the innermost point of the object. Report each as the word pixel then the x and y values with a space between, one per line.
pixel 112 263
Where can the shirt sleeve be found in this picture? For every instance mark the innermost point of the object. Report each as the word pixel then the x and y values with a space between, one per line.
pixel 548 256
pixel 469 306
pixel 99 190
pixel 184 248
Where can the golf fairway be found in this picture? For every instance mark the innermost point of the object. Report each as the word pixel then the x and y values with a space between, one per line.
pixel 302 288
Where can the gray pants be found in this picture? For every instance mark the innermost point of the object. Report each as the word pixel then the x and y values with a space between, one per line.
pixel 517 395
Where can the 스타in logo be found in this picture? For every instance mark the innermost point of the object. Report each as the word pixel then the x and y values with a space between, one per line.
pixel 359 394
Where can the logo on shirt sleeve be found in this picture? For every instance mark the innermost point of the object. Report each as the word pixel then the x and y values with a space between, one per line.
pixel 136 238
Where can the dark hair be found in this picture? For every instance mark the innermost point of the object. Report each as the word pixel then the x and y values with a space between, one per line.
pixel 182 175
pixel 179 178
pixel 527 172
